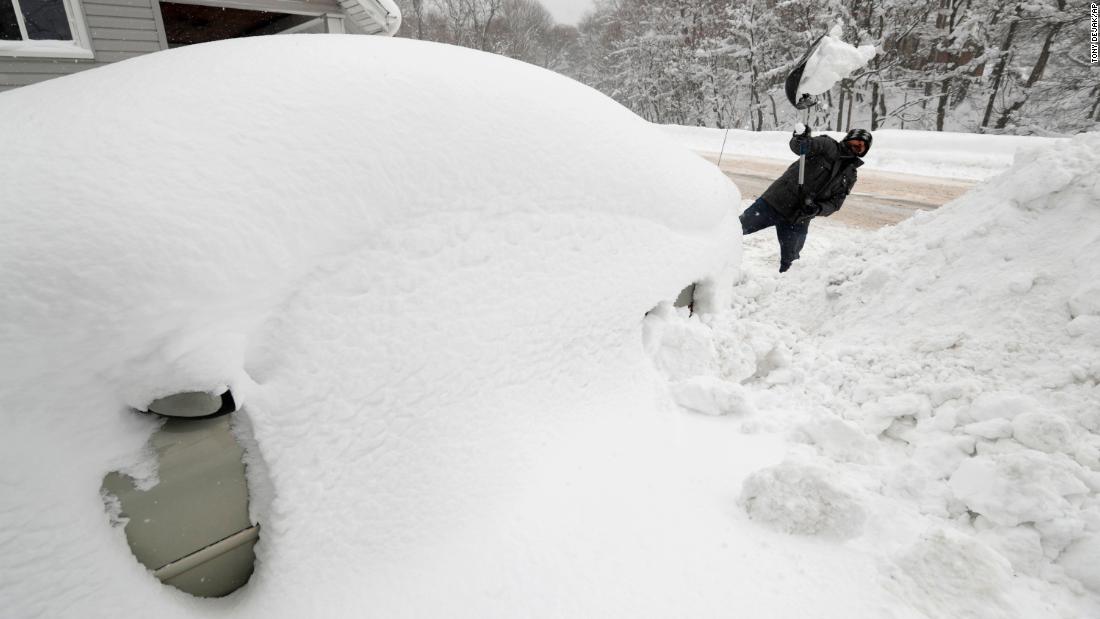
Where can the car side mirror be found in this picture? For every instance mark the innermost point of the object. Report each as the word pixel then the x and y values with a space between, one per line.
pixel 193 405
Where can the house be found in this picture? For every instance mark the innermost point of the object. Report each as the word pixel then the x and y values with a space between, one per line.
pixel 43 39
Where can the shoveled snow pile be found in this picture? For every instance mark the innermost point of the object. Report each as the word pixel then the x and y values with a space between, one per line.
pixel 942 377
pixel 423 271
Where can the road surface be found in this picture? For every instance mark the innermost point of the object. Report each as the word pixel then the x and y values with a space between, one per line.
pixel 879 199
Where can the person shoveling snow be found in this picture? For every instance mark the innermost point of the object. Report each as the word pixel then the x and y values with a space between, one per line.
pixel 806 191
pixel 814 186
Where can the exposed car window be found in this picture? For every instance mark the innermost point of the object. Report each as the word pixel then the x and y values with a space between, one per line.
pixel 192 528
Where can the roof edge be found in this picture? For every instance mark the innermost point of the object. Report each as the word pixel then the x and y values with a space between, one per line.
pixel 384 13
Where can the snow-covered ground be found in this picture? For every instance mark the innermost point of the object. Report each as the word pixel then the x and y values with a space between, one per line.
pixel 431 298
pixel 944 154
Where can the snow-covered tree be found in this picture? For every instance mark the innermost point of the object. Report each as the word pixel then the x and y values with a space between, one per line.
pixel 960 65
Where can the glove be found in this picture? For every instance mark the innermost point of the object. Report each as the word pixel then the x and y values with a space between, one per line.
pixel 809 208
pixel 801 130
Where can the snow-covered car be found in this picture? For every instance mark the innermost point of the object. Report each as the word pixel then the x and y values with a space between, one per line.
pixel 421 270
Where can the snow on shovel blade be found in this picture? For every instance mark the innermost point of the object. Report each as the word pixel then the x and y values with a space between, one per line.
pixel 794 79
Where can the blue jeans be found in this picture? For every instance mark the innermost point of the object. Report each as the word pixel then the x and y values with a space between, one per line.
pixel 792 237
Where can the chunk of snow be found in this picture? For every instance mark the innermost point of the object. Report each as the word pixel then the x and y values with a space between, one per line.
pixel 1081 560
pixel 875 279
pixel 999 405
pixel 1020 545
pixel 949 574
pixel 879 414
pixel 944 419
pixel 838 439
pixel 680 348
pixel 1085 301
pixel 990 429
pixel 1058 533
pixel 1017 487
pixel 711 396
pixel 1021 283
pixel 802 499
pixel 1086 328
pixel 1056 170
pixel 833 61
pixel 941 393
pixel 941 457
pixel 1087 451
pixel 1043 431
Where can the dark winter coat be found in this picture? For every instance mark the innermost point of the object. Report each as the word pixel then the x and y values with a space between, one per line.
pixel 824 155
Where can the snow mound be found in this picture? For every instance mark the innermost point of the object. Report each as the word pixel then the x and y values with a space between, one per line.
pixel 1037 223
pixel 802 499
pixel 422 269
pixel 961 342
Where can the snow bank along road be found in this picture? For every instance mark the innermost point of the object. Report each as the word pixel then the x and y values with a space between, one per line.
pixel 938 386
pixel 880 198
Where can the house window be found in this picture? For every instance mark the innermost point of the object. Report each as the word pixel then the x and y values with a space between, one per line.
pixel 186 24
pixel 42 28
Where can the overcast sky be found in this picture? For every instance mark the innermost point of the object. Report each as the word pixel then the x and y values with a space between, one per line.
pixel 567 11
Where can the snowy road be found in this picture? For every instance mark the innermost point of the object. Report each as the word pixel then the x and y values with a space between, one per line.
pixel 880 198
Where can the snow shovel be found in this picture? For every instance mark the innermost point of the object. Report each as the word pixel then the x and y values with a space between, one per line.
pixel 805 102
pixel 794 79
